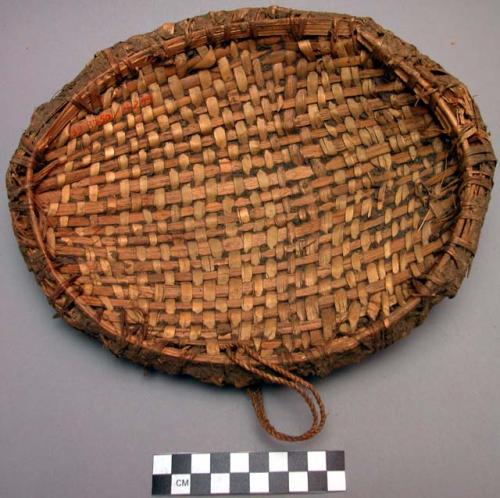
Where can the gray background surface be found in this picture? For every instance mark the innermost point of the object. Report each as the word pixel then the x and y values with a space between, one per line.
pixel 421 419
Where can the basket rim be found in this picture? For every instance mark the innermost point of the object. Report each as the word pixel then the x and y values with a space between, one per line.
pixel 451 105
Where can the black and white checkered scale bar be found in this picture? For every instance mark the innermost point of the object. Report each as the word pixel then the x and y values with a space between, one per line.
pixel 248 473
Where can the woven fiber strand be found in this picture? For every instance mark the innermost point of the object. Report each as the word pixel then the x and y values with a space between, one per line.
pixel 262 193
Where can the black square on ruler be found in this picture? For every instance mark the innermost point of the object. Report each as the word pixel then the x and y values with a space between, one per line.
pixel 219 463
pixel 335 460
pixel 297 460
pixel 239 483
pixel 258 461
pixel 200 484
pixel 278 482
pixel 161 484
pixel 317 480
pixel 181 464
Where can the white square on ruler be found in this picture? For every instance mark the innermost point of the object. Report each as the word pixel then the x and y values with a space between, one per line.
pixel 336 480
pixel 181 484
pixel 297 481
pixel 259 482
pixel 219 483
pixel 278 461
pixel 200 463
pixel 239 462
pixel 316 460
pixel 162 464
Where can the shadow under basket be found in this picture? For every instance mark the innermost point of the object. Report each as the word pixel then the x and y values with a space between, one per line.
pixel 255 195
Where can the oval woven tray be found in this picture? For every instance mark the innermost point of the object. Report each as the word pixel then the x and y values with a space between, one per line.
pixel 256 194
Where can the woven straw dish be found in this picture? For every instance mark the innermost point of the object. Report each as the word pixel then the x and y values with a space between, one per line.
pixel 256 195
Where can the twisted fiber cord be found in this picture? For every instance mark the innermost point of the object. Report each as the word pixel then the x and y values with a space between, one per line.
pixel 279 375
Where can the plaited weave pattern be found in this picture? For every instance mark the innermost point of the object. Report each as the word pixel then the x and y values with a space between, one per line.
pixel 305 185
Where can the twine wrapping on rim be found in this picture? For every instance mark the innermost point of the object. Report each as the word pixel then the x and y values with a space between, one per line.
pixel 280 376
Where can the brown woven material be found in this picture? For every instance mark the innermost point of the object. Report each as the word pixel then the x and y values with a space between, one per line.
pixel 256 194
